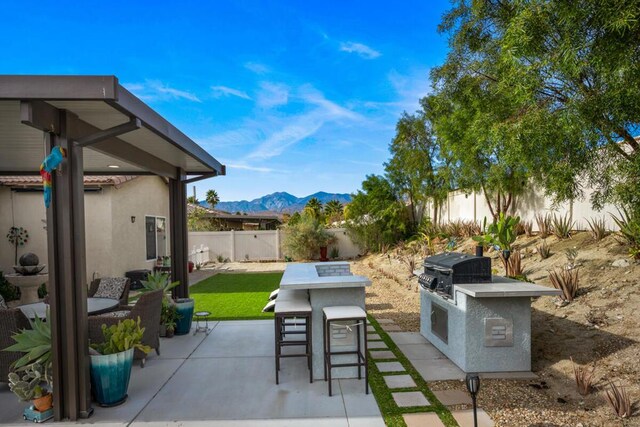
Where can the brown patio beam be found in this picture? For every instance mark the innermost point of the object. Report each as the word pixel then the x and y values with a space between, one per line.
pixel 130 126
pixel 67 280
pixel 179 234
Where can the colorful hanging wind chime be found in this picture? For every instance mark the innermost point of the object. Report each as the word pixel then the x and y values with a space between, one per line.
pixel 50 163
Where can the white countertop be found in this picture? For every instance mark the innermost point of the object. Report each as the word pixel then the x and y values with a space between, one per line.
pixel 305 276
pixel 504 287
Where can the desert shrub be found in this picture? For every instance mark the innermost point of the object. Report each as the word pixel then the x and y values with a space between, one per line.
pixel 528 228
pixel 544 250
pixel 562 226
pixel 305 238
pixel 619 400
pixel 597 228
pixel 520 231
pixel 514 264
pixel 629 225
pixel 544 224
pixel 584 378
pixel 470 228
pixel 566 280
pixel 453 228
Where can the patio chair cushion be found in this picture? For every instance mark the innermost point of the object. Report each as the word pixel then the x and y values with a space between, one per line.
pixel 119 313
pixel 110 287
pixel 3 305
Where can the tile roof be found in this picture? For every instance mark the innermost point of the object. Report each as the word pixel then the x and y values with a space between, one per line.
pixel 36 180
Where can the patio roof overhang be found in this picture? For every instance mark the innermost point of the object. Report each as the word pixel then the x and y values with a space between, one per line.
pixel 99 124
pixel 117 128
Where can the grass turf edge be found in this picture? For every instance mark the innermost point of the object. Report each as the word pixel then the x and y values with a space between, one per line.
pixel 392 413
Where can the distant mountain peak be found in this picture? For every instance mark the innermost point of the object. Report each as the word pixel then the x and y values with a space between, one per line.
pixel 280 202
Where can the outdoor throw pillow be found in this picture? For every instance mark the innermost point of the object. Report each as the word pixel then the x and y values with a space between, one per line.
pixel 271 305
pixel 110 287
pixel 3 305
pixel 119 313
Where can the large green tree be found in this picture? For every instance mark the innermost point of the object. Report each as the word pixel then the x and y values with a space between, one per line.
pixel 570 72
pixel 415 168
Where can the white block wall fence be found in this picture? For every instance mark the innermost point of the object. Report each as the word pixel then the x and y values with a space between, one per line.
pixel 257 245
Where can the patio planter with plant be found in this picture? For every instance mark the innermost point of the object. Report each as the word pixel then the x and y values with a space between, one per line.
pixel 31 379
pixel 181 322
pixel 111 361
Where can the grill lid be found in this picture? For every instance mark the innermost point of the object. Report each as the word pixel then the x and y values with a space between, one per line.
pixel 450 260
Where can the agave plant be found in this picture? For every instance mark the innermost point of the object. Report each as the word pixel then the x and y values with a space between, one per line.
pixel 159 281
pixel 34 342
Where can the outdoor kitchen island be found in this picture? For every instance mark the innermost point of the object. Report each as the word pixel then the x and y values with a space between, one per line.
pixel 329 284
pixel 482 327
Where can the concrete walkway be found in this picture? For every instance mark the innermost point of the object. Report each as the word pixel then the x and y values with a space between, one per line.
pixel 227 379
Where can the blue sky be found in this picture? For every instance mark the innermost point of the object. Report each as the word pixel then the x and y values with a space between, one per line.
pixel 292 96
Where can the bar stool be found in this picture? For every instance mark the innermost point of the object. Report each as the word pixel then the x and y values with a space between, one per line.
pixel 292 295
pixel 345 313
pixel 293 309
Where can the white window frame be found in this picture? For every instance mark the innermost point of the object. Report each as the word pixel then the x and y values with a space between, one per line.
pixel 155 217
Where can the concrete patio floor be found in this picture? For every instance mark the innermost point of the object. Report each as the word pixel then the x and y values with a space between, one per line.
pixel 226 379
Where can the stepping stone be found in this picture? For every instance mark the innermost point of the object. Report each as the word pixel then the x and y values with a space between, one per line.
pixel 384 354
pixel 405 399
pixel 376 344
pixel 390 327
pixel 465 418
pixel 399 381
pixel 425 419
pixel 382 321
pixel 373 337
pixel 390 366
pixel 371 328
pixel 453 397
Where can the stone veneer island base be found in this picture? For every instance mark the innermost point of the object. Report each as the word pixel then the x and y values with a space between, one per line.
pixel 329 284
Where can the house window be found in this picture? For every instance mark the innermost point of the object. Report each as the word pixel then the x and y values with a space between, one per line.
pixel 156 236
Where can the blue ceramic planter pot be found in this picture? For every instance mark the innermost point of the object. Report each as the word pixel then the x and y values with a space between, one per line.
pixel 184 307
pixel 110 376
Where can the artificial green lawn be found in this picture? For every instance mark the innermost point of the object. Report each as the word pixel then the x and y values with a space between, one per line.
pixel 235 296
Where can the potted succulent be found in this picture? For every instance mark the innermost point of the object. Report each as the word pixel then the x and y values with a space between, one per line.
pixel 112 359
pixel 31 379
pixel 168 320
pixel 184 306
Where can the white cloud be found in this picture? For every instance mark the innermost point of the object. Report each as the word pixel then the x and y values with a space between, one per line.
pixel 153 90
pixel 245 166
pixel 360 49
pixel 257 67
pixel 220 91
pixel 272 94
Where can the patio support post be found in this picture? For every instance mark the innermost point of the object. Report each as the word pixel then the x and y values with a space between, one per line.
pixel 67 280
pixel 179 234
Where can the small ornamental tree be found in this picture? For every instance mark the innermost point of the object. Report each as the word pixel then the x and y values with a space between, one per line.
pixel 305 237
pixel 17 236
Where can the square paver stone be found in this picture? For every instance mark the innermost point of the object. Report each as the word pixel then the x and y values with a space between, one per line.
pixel 465 418
pixel 376 344
pixel 405 399
pixel 453 397
pixel 373 337
pixel 381 321
pixel 399 381
pixel 383 354
pixel 391 327
pixel 425 419
pixel 370 328
pixel 390 366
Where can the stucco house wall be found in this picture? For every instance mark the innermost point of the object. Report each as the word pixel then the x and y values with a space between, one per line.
pixel 113 243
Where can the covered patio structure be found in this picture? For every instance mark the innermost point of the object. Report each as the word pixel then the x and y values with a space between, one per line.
pixel 105 130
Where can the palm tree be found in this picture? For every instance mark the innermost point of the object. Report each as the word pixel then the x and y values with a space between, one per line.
pixel 212 198
pixel 313 208
pixel 334 208
pixel 192 200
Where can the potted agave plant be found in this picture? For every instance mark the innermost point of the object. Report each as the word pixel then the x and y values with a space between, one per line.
pixel 184 306
pixel 31 379
pixel 112 359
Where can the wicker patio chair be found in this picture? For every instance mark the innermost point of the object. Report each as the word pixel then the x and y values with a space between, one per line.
pixel 12 320
pixel 148 308
pixel 123 297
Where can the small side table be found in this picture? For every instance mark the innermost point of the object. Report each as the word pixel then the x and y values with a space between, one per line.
pixel 202 316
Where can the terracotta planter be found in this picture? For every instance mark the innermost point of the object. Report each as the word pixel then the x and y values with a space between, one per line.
pixel 323 254
pixel 43 403
pixel 191 265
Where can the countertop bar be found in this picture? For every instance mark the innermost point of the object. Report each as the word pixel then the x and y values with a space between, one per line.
pixel 305 276
pixel 501 287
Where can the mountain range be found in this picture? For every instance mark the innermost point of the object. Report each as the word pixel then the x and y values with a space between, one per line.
pixel 280 202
